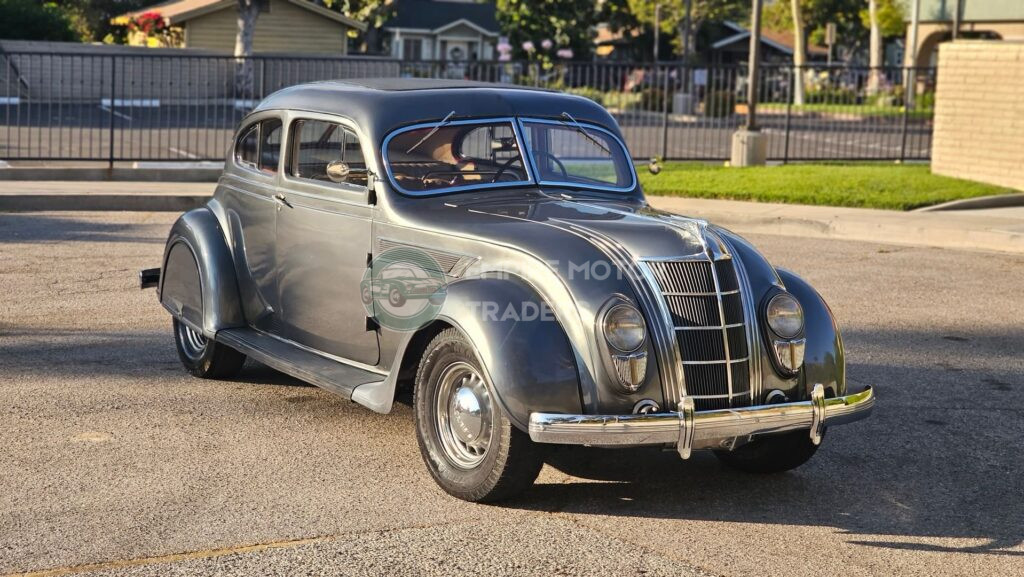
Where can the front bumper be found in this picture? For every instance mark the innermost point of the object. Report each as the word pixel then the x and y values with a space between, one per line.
pixel 688 429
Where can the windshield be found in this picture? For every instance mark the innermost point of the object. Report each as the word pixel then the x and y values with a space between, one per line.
pixel 572 153
pixel 436 158
pixel 468 154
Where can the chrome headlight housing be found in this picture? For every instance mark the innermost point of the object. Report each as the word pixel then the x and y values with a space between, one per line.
pixel 625 333
pixel 785 316
pixel 785 319
pixel 624 328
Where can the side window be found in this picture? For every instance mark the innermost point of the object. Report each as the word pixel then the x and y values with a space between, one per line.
pixel 247 149
pixel 316 144
pixel 270 146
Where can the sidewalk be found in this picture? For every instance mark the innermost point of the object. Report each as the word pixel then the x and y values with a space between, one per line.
pixel 1000 229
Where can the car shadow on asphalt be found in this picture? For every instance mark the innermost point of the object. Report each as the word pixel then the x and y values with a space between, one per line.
pixel 922 467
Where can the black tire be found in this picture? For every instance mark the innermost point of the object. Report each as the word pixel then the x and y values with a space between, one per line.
pixel 203 357
pixel 510 462
pixel 771 454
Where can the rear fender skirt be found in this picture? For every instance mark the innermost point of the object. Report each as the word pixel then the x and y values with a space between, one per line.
pixel 197 283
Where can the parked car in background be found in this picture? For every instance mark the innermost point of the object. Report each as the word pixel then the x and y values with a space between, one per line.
pixel 562 307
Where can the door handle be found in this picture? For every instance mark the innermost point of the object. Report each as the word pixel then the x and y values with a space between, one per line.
pixel 281 201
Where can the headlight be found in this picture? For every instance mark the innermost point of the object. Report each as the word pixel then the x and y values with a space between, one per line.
pixel 624 328
pixel 785 316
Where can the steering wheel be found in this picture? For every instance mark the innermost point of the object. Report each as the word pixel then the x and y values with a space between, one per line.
pixel 549 156
pixel 504 167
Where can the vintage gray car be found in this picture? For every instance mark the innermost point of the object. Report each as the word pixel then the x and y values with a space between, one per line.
pixel 546 301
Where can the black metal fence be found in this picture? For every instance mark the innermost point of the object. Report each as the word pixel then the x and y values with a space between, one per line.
pixel 128 107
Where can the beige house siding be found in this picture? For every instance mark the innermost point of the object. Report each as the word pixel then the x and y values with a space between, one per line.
pixel 979 112
pixel 285 28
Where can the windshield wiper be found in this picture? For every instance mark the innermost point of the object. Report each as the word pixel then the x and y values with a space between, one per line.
pixel 433 131
pixel 583 131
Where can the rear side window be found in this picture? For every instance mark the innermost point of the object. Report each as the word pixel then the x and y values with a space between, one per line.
pixel 247 150
pixel 316 144
pixel 259 147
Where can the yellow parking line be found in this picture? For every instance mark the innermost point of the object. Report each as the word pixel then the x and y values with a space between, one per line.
pixel 173 557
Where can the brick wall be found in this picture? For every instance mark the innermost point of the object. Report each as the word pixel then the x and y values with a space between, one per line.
pixel 979 112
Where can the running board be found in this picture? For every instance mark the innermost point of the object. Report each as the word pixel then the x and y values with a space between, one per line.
pixel 306 366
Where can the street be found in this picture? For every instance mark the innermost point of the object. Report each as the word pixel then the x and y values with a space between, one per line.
pixel 114 461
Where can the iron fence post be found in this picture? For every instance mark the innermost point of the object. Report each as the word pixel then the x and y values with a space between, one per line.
pixel 903 127
pixel 664 117
pixel 791 86
pixel 263 78
pixel 113 89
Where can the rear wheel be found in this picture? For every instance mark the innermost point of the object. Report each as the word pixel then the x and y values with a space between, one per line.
pixel 203 357
pixel 468 443
pixel 771 454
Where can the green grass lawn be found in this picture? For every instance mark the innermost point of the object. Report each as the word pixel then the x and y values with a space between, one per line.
pixel 860 110
pixel 868 185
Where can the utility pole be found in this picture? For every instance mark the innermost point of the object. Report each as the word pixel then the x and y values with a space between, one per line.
pixel 749 144
pixel 958 12
pixel 657 30
pixel 754 64
pixel 910 88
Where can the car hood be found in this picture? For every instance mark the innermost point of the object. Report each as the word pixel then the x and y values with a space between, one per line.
pixel 556 228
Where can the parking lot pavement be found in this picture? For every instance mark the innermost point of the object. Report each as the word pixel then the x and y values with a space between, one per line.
pixel 114 461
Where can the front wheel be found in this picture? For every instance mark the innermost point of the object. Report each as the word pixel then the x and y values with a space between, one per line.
pixel 468 443
pixel 203 357
pixel 771 454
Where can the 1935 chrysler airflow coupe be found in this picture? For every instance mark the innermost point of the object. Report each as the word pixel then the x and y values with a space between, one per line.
pixel 559 306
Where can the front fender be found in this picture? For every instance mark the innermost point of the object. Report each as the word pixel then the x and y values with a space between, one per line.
pixel 521 346
pixel 197 282
pixel 824 359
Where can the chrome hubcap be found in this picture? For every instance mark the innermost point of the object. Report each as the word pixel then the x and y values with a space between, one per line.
pixel 193 342
pixel 464 415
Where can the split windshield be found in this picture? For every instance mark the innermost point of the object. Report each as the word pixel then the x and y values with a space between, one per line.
pixel 460 155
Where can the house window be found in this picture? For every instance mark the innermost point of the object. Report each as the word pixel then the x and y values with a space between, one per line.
pixel 263 6
pixel 412 49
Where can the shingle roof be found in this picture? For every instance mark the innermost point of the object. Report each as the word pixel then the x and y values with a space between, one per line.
pixel 178 11
pixel 431 15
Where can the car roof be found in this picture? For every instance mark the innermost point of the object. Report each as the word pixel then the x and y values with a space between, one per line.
pixel 380 105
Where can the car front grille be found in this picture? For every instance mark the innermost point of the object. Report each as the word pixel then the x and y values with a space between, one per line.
pixel 703 298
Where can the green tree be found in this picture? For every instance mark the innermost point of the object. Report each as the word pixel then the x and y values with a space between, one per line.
pixel 90 19
pixel 373 12
pixel 890 16
pixel 32 20
pixel 564 23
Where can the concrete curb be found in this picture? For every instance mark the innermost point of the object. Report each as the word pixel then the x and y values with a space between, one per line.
pixel 944 229
pixel 82 174
pixel 994 201
pixel 101 202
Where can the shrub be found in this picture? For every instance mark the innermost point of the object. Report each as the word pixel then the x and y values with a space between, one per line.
pixel 653 99
pixel 720 103
pixel 831 95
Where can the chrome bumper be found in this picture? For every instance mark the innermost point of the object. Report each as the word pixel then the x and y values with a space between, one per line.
pixel 688 429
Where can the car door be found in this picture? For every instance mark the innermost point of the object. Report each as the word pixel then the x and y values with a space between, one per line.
pixel 247 194
pixel 324 233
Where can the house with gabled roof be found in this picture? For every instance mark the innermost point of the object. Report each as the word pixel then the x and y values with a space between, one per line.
pixel 299 26
pixel 442 30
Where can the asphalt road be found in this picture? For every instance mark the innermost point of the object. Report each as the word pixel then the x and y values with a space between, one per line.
pixel 114 461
